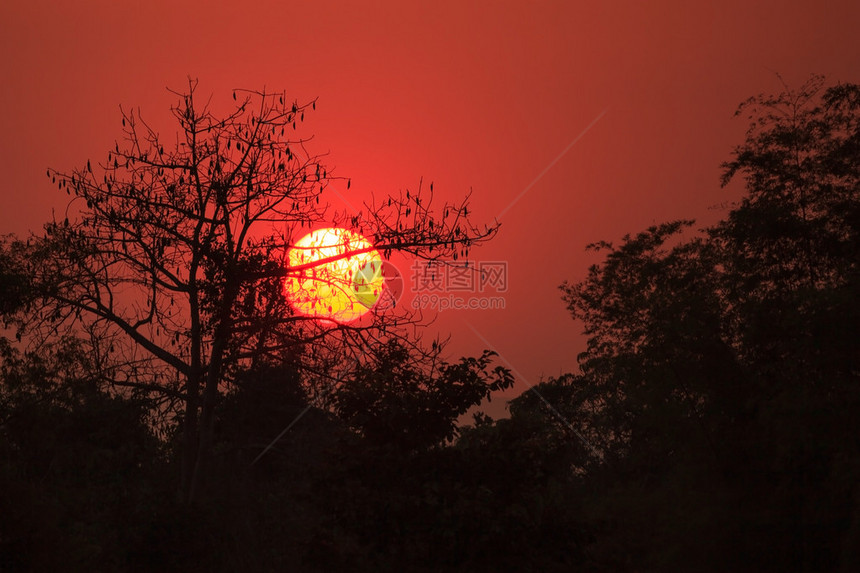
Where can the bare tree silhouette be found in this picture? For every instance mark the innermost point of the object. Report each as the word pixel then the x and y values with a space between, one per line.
pixel 172 256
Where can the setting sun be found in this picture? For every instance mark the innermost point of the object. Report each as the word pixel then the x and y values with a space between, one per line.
pixel 334 274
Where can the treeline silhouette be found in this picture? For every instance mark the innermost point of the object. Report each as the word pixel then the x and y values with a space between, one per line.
pixel 714 424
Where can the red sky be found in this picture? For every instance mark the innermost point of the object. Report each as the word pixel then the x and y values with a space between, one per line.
pixel 470 95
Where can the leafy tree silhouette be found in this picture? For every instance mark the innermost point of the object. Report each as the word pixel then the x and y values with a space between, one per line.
pixel 724 364
pixel 78 465
pixel 410 402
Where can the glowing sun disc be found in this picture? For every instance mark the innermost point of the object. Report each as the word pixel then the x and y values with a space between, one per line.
pixel 334 274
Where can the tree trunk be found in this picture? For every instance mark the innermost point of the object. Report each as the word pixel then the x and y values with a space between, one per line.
pixel 206 428
pixel 190 433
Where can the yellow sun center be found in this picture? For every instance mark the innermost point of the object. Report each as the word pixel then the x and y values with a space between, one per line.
pixel 335 274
